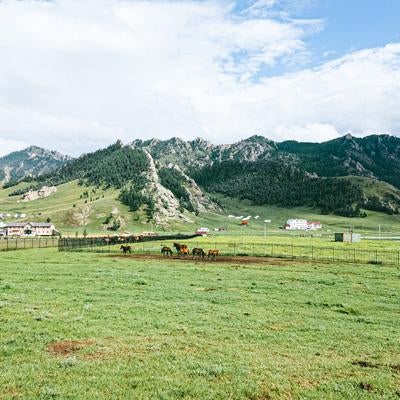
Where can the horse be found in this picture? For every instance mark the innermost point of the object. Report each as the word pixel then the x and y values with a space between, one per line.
pixel 126 249
pixel 213 254
pixel 181 249
pixel 166 251
pixel 198 252
pixel 184 251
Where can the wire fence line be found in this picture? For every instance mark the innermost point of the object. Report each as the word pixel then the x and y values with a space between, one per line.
pixel 23 243
pixel 289 251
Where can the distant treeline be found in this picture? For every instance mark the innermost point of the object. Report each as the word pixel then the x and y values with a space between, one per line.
pixel 268 182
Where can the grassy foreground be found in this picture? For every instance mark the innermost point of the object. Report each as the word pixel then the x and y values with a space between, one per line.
pixel 89 326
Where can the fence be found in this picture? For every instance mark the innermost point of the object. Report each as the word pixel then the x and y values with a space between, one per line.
pixel 333 254
pixel 90 243
pixel 21 243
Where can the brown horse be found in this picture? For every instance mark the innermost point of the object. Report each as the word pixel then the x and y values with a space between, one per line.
pixel 126 249
pixel 166 251
pixel 181 249
pixel 184 251
pixel 213 254
pixel 198 252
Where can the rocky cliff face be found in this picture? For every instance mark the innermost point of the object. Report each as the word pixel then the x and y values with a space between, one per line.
pixel 33 161
pixel 168 207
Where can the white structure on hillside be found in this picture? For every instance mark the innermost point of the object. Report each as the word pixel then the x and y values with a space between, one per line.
pixel 302 225
pixel 203 231
pixel 29 229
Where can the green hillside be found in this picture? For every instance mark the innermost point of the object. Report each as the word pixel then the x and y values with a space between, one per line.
pixel 72 213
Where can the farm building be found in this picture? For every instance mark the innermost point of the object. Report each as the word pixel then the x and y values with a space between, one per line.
pixel 302 225
pixel 314 225
pixel 296 224
pixel 29 229
pixel 202 231
pixel 347 237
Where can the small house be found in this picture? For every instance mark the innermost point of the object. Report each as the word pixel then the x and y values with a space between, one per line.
pixel 202 231
pixel 347 237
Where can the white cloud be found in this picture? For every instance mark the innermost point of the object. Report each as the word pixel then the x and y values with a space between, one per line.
pixel 77 75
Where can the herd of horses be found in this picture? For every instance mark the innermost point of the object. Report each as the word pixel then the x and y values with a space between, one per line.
pixel 181 250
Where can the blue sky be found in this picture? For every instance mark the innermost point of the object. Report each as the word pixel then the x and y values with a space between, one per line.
pixel 78 75
pixel 353 24
pixel 349 25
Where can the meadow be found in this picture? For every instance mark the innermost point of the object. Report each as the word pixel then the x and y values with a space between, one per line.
pixel 90 326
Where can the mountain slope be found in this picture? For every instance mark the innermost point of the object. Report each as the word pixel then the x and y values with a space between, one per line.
pixel 32 161
pixel 163 193
pixel 375 156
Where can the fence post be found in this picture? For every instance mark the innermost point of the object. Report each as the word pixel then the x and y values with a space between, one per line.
pixel 312 252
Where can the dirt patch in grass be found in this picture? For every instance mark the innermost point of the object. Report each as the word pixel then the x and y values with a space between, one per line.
pixel 68 347
pixel 395 367
pixel 365 364
pixel 234 260
pixel 366 386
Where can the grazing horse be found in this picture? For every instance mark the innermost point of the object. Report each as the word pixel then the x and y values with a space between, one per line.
pixel 213 254
pixel 181 249
pixel 184 251
pixel 198 252
pixel 166 251
pixel 126 249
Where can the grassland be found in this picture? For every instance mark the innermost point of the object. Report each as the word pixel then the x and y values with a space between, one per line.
pixel 89 326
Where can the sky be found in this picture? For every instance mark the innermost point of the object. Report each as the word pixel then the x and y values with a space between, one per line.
pixel 76 75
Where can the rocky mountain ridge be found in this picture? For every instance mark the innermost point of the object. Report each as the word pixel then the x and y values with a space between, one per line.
pixel 30 162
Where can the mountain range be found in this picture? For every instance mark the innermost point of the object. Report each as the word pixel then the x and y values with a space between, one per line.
pixel 169 178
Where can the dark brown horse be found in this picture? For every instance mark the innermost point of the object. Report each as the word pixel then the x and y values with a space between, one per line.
pixel 166 251
pixel 198 252
pixel 126 249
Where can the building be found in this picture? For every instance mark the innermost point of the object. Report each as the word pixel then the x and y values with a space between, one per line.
pixel 29 229
pixel 202 231
pixel 347 237
pixel 302 225
pixel 296 224
pixel 314 225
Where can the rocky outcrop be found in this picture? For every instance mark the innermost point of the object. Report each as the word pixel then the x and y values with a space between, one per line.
pixel 167 206
pixel 80 216
pixel 45 191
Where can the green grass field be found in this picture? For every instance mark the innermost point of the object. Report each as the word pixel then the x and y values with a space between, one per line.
pixel 91 326
pixel 71 214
